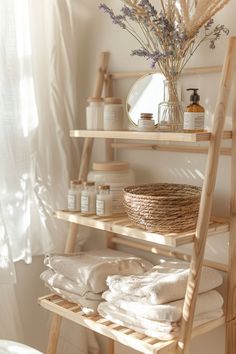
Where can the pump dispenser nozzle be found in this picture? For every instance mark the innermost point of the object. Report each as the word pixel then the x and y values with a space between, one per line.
pixel 195 98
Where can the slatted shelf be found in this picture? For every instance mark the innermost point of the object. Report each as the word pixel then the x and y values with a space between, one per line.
pixel 154 136
pixel 121 334
pixel 122 225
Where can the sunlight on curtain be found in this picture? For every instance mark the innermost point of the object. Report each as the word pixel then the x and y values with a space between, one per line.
pixel 37 110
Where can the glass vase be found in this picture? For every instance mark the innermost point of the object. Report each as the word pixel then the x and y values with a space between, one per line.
pixel 171 110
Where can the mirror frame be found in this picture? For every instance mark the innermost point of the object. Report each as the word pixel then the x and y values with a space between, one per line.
pixel 133 87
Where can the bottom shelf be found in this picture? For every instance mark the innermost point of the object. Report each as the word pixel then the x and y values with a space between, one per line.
pixel 121 334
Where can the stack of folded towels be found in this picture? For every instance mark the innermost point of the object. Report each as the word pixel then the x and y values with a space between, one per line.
pixel 81 278
pixel 152 303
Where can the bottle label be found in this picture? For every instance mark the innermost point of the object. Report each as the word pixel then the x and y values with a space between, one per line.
pixel 100 207
pixel 84 204
pixel 144 123
pixel 74 201
pixel 194 120
pixel 71 201
pixel 113 120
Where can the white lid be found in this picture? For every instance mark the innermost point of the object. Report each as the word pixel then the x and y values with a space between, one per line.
pixel 111 166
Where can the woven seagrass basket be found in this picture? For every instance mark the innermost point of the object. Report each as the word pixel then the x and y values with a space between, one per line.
pixel 163 207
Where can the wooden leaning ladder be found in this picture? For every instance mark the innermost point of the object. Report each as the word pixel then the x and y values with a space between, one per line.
pixel 183 343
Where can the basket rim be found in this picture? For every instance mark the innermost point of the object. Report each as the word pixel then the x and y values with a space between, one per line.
pixel 128 191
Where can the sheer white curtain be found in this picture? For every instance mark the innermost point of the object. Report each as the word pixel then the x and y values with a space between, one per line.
pixel 38 68
pixel 38 107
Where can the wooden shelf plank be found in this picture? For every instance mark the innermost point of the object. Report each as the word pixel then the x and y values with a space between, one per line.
pixel 121 334
pixel 154 136
pixel 121 225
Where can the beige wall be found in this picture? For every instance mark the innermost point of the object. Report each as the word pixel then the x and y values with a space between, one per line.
pixel 96 34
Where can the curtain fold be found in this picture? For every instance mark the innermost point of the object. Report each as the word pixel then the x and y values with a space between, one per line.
pixel 38 107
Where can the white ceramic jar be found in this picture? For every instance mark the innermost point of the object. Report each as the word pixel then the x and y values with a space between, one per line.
pixel 118 175
pixel 113 113
pixel 94 113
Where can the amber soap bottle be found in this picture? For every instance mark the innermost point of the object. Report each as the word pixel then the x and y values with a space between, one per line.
pixel 194 114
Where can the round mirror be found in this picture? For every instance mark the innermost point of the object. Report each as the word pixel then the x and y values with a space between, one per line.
pixel 145 96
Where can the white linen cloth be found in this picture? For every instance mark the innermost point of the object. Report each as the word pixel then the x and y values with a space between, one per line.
pixel 164 283
pixel 171 312
pixel 91 269
pixel 88 306
pixel 161 330
pixel 55 280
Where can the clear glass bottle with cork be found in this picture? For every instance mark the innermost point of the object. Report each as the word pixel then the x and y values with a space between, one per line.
pixel 194 114
pixel 146 122
pixel 104 201
pixel 88 198
pixel 74 195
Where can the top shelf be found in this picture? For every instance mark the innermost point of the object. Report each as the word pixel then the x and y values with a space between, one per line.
pixel 154 136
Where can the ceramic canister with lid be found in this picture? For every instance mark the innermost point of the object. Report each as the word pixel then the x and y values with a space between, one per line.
pixel 94 113
pixel 113 113
pixel 118 175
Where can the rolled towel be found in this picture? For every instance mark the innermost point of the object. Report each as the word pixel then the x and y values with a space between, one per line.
pixel 90 269
pixel 206 302
pixel 165 282
pixel 159 330
pixel 59 281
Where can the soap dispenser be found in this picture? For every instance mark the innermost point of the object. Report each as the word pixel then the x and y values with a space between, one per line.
pixel 194 114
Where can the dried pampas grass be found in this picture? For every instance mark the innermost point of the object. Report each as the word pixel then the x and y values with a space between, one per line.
pixel 203 11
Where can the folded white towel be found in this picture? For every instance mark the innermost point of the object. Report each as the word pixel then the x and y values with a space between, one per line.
pixel 206 302
pixel 89 307
pixel 159 330
pixel 59 281
pixel 90 269
pixel 165 282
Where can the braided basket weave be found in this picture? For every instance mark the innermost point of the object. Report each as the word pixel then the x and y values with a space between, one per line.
pixel 163 207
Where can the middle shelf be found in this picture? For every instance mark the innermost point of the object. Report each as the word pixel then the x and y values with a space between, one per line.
pixel 123 226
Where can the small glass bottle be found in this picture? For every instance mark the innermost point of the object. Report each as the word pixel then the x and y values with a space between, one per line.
pixel 146 122
pixel 74 195
pixel 104 201
pixel 88 198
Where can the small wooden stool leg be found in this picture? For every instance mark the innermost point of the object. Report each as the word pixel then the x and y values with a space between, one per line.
pixel 110 346
pixel 54 334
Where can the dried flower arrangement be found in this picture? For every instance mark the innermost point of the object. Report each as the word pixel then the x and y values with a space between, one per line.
pixel 170 36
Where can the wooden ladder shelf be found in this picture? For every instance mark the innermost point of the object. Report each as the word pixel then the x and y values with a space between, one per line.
pixel 126 233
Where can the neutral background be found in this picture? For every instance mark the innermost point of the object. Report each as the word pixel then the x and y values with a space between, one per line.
pixel 97 34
